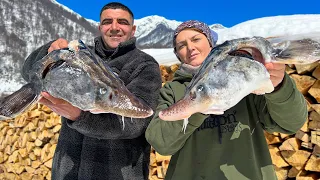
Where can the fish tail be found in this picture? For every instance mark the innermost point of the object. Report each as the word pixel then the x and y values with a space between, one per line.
pixel 17 102
pixel 304 51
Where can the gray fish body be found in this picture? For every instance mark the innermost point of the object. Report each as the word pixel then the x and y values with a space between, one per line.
pixel 80 77
pixel 221 82
pixel 235 69
pixel 227 82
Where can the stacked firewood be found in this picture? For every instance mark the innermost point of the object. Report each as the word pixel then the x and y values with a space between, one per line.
pixel 294 156
pixel 298 156
pixel 27 143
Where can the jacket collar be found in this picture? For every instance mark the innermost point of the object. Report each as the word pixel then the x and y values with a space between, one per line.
pixel 122 48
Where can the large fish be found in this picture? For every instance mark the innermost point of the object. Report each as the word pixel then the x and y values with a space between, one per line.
pixel 80 77
pixel 235 69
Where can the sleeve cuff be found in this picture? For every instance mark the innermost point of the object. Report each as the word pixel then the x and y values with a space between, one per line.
pixel 83 115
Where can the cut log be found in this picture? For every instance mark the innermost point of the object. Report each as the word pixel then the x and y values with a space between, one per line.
pixel 282 173
pixel 293 172
pixel 306 145
pixel 276 157
pixel 316 107
pixel 315 137
pixel 48 164
pixel 313 164
pixel 303 83
pixel 26 176
pixel 272 139
pixel 314 91
pixel 314 116
pixel 316 72
pixel 316 150
pixel 160 158
pixel 296 158
pixel 290 70
pixel 302 136
pixel 305 68
pixel 314 125
pixel 305 128
pixel 291 144
pixel 284 136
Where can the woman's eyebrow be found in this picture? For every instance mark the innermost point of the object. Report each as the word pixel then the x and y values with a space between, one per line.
pixel 183 41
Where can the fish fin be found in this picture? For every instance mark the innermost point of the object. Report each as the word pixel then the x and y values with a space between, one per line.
pixel 266 87
pixel 304 51
pixel 17 102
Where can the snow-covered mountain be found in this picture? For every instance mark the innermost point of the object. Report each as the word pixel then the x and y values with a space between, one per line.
pixel 25 25
pixel 157 32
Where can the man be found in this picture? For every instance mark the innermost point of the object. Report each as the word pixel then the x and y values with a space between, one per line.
pixel 94 146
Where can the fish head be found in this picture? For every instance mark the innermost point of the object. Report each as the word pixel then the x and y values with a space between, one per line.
pixel 83 79
pixel 227 75
pixel 116 98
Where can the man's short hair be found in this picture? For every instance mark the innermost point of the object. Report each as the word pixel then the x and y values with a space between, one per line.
pixel 117 5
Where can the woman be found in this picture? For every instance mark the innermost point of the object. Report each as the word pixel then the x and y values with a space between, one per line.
pixel 228 146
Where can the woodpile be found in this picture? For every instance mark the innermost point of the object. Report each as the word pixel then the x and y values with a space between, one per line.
pixel 27 143
pixel 298 156
pixel 158 165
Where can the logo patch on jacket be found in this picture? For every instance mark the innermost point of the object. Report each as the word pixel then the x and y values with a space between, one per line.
pixel 225 123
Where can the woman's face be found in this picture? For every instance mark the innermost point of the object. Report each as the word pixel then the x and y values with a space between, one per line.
pixel 192 47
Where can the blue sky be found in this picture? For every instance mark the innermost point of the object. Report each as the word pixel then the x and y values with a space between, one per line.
pixel 226 12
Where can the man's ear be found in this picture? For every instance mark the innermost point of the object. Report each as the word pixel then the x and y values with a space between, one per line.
pixel 134 27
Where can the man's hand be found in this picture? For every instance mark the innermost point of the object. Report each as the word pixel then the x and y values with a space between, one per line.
pixel 60 106
pixel 58 44
pixel 276 72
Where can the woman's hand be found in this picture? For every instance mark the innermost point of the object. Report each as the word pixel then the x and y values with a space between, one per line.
pixel 276 72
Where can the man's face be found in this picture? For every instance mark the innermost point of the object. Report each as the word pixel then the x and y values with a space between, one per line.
pixel 116 26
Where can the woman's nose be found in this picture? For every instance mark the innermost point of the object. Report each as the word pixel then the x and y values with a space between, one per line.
pixel 190 46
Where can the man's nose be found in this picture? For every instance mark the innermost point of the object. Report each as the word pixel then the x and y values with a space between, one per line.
pixel 114 25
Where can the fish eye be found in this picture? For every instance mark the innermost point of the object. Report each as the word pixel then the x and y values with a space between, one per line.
pixel 200 88
pixel 102 91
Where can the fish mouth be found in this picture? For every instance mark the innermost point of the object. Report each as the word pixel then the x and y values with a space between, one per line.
pixel 250 53
pixel 141 113
pixel 121 102
pixel 138 109
pixel 182 109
